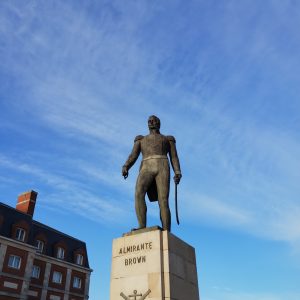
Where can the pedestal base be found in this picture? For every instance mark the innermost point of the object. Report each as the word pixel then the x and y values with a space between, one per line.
pixel 153 264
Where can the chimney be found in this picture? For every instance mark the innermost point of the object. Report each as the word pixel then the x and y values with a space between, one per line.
pixel 26 202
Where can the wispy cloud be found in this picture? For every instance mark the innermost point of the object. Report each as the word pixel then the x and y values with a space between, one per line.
pixel 69 194
pixel 215 211
pixel 94 78
pixel 79 79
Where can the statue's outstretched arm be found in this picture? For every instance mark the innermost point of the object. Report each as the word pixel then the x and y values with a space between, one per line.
pixel 132 157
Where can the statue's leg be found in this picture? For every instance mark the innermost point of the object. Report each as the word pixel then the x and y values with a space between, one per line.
pixel 144 181
pixel 163 187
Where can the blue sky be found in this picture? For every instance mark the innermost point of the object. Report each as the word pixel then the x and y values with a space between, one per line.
pixel 78 82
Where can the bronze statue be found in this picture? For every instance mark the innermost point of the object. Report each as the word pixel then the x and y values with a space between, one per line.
pixel 154 175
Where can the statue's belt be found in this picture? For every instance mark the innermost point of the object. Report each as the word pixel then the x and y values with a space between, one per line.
pixel 155 157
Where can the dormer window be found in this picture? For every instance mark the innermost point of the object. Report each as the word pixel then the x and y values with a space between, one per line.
pixel 60 249
pixel 20 234
pixel 60 253
pixel 40 246
pixel 20 230
pixel 79 259
pixel 79 256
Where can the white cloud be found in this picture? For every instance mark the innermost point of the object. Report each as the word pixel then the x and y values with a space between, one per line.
pixel 96 80
pixel 215 211
pixel 70 195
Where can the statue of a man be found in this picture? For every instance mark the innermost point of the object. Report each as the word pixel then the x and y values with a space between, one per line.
pixel 154 175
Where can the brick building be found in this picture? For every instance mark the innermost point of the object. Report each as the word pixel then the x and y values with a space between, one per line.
pixel 38 262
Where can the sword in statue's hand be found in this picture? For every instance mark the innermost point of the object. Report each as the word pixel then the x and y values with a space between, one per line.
pixel 176 180
pixel 176 204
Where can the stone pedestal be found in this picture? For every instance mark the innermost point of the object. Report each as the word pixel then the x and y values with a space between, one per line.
pixel 153 264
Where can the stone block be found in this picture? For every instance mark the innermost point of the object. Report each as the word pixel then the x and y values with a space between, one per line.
pixel 154 263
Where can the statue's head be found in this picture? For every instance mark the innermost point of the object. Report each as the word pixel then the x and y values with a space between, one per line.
pixel 154 122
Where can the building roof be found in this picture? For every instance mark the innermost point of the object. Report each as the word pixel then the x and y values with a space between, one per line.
pixel 12 216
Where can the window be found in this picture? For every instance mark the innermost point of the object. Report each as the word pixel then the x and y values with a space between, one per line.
pixel 40 246
pixel 79 259
pixel 20 234
pixel 60 253
pixel 57 277
pixel 14 262
pixel 77 282
pixel 36 271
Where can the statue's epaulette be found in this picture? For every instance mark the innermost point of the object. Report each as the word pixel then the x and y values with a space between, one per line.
pixel 138 137
pixel 171 138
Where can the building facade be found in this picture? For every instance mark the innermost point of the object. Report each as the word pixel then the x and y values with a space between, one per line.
pixel 38 262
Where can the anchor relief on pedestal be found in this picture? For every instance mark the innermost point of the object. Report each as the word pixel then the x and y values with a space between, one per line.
pixel 135 295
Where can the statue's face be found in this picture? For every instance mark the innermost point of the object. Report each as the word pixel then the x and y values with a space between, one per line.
pixel 153 123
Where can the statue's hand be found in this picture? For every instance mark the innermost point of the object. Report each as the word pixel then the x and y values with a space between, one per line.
pixel 124 172
pixel 177 178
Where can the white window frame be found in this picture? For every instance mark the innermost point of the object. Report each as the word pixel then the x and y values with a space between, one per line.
pixel 14 262
pixel 57 277
pixel 77 282
pixel 60 253
pixel 79 259
pixel 36 270
pixel 40 246
pixel 20 234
